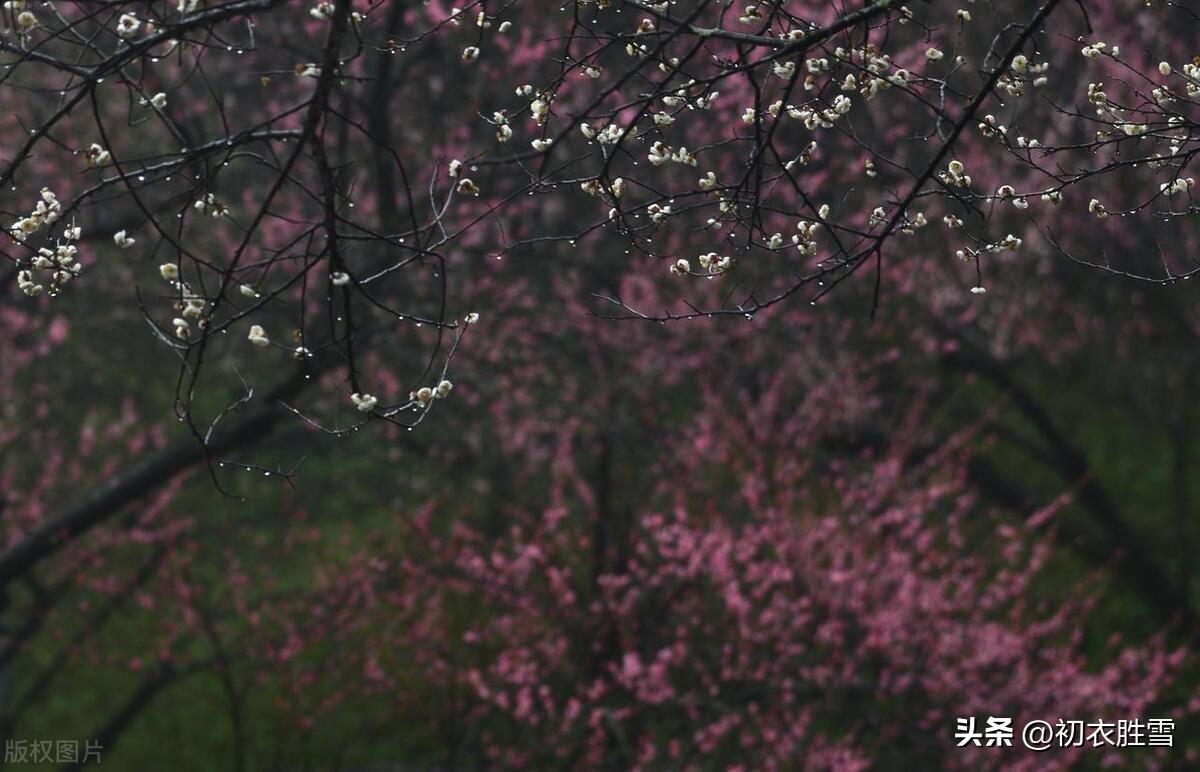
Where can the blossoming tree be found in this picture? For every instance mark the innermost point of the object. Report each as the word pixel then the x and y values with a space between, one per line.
pixel 340 222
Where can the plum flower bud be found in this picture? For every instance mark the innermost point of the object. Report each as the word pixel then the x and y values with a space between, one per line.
pixel 159 100
pixel 424 394
pixel 258 336
pixel 470 54
pixel 1164 68
pixel 364 402
pixel 340 279
pixel 978 290
pixel 444 388
pixel 122 240
pixel 933 54
pixel 248 291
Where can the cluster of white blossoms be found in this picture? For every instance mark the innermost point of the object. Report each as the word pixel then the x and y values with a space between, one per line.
pixel 364 402
pixel 913 224
pixel 465 185
pixel 805 239
pixel 209 205
pixel 323 11
pixel 989 128
pixel 711 264
pixel 1179 185
pixel 52 267
pixel 595 188
pixel 190 305
pixel 504 131
pixel 425 394
pixel 1020 72
pixel 482 21
pixel 20 13
pixel 45 213
pixel 1093 50
pixel 609 135
pixel 1192 71
pixel 660 154
pixel 123 240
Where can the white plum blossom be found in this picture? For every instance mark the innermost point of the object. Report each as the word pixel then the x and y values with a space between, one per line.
pixel 123 240
pixel 127 25
pixel 96 155
pixel 364 402
pixel 258 336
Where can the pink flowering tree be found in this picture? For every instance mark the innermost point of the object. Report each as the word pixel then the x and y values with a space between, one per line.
pixel 396 279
